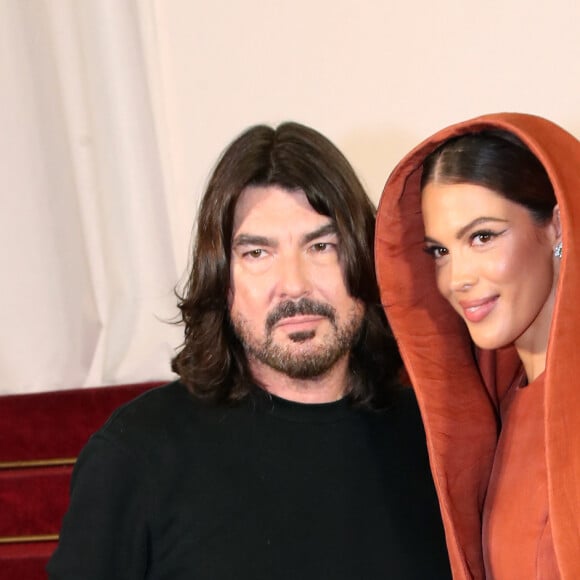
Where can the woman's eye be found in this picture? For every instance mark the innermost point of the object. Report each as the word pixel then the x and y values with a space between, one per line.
pixel 436 252
pixel 481 238
pixel 320 246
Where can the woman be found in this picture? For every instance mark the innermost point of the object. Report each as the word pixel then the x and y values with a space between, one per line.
pixel 477 260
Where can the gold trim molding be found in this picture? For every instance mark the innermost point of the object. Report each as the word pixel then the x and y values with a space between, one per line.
pixel 37 463
pixel 28 539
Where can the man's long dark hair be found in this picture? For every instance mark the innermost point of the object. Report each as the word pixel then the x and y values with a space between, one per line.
pixel 212 362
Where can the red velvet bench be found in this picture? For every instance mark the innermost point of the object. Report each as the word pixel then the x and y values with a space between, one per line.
pixel 41 435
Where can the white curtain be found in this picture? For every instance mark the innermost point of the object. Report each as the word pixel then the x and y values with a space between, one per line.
pixel 86 250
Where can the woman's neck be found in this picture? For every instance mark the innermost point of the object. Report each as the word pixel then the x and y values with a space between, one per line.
pixel 532 346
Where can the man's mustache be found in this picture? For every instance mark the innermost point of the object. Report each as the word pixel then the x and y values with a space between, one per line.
pixel 290 308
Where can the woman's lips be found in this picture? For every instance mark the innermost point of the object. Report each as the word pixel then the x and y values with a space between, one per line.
pixel 477 310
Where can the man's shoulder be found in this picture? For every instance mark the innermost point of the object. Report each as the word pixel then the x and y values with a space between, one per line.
pixel 402 403
pixel 153 415
pixel 153 403
pixel 403 417
pixel 169 414
pixel 405 401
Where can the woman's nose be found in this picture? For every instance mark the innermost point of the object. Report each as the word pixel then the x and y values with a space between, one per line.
pixel 463 273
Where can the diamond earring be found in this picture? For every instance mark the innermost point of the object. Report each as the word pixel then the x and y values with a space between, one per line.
pixel 558 250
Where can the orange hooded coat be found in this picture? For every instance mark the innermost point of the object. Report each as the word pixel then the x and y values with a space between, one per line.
pixel 461 394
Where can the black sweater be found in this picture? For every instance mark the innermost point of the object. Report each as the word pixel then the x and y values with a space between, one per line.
pixel 172 488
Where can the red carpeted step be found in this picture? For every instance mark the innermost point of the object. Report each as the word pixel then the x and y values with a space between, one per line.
pixel 33 500
pixel 25 561
pixel 57 424
pixel 37 432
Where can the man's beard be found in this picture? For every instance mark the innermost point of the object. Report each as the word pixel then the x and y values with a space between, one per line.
pixel 297 363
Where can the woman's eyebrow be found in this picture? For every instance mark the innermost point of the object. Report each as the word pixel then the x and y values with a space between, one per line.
pixel 462 231
pixel 476 222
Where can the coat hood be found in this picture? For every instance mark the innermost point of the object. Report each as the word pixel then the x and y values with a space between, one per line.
pixel 458 392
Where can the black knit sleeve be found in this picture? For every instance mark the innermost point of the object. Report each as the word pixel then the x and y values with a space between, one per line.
pixel 104 534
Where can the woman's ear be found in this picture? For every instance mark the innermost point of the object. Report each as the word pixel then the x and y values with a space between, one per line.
pixel 556 225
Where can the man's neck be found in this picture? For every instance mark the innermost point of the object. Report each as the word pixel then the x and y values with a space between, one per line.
pixel 326 388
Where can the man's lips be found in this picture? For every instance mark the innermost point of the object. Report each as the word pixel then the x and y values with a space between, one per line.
pixel 300 320
pixel 477 310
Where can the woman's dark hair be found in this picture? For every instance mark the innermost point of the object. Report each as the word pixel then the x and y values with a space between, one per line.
pixel 498 160
pixel 212 362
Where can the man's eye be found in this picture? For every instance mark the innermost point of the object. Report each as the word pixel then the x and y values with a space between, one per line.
pixel 257 253
pixel 321 246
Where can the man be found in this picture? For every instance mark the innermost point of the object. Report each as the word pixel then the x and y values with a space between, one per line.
pixel 287 450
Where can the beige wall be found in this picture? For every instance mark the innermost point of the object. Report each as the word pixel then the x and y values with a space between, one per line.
pixel 376 76
pixel 113 113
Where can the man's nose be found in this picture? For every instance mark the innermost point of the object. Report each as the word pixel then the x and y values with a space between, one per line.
pixel 294 277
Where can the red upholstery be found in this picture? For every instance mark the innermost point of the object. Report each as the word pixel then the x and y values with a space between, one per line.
pixel 33 500
pixel 40 436
pixel 25 561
